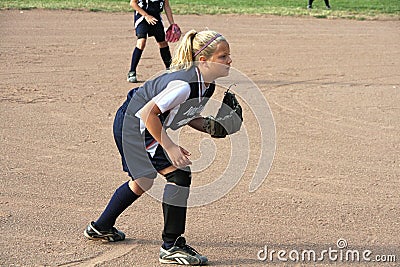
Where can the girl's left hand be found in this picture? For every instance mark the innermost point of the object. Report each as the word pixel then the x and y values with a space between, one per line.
pixel 179 156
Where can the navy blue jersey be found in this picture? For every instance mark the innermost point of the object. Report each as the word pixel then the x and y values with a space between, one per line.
pixel 141 154
pixel 152 7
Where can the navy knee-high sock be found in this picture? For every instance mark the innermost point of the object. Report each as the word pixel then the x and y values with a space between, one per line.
pixel 136 55
pixel 166 56
pixel 123 197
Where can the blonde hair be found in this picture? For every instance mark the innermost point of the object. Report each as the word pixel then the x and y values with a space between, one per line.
pixel 193 46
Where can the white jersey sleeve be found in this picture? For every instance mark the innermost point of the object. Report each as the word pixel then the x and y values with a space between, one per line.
pixel 173 95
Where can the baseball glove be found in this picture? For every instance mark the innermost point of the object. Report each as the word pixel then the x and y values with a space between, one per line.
pixel 228 119
pixel 173 33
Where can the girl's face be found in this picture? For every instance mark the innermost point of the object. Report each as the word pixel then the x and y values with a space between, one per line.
pixel 222 58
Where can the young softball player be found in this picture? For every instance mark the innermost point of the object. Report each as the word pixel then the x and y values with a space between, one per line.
pixel 172 100
pixel 148 22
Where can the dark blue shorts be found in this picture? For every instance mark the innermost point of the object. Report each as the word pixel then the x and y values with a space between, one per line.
pixel 143 29
pixel 159 160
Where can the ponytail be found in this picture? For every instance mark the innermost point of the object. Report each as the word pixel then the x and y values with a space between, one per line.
pixel 183 57
pixel 193 45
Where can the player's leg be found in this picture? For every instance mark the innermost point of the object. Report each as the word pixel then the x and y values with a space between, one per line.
pixel 136 55
pixel 165 53
pixel 103 228
pixel 141 29
pixel 327 4
pixel 176 193
pixel 174 248
pixel 309 6
pixel 159 34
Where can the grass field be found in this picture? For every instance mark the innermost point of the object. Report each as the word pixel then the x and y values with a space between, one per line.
pixel 350 9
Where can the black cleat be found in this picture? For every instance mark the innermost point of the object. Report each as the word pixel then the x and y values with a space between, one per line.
pixel 182 254
pixel 132 77
pixel 112 235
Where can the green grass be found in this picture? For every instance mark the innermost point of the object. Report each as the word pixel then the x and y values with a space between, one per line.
pixel 350 9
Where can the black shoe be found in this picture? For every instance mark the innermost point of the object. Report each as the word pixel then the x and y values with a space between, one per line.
pixel 309 7
pixel 112 235
pixel 328 7
pixel 132 77
pixel 182 254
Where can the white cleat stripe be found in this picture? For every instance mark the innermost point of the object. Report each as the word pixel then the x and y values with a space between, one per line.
pixel 185 261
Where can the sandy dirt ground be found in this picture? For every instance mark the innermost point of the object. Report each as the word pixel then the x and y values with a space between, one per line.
pixel 334 90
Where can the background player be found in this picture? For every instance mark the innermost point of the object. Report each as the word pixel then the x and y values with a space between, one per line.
pixel 309 6
pixel 148 22
pixel 168 101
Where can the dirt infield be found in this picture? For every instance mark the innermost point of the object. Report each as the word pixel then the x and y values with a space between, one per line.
pixel 333 87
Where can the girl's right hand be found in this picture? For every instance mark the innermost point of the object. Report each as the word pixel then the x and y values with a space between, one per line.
pixel 150 19
pixel 179 156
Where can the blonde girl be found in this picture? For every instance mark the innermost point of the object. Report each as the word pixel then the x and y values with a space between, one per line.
pixel 171 100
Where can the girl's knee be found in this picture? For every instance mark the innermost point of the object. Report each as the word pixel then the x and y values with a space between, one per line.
pixel 163 44
pixel 141 185
pixel 141 43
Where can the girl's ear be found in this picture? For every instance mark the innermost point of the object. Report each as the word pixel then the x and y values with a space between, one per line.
pixel 202 58
pixel 203 62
